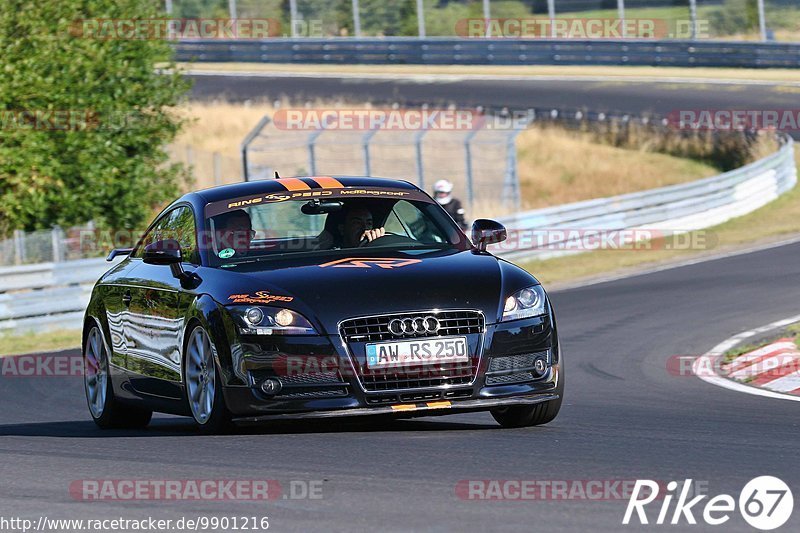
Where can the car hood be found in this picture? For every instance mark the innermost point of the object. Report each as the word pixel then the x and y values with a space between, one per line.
pixel 332 288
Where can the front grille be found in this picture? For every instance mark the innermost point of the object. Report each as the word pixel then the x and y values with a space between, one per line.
pixel 444 375
pixel 514 362
pixel 328 384
pixel 330 393
pixel 384 399
pixel 505 379
pixel 318 378
pixel 376 328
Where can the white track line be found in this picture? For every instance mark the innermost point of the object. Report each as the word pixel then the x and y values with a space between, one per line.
pixel 432 78
pixel 702 364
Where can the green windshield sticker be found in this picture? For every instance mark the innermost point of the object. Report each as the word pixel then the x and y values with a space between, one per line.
pixel 227 253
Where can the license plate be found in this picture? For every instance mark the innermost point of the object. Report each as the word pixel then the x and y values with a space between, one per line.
pixel 417 352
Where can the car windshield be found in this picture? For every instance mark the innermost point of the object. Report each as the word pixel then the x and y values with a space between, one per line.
pixel 273 225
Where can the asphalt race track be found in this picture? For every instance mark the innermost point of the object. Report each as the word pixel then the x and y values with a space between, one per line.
pixel 625 417
pixel 610 96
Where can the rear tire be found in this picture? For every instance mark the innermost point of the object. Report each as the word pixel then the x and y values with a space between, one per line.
pixel 531 415
pixel 107 412
pixel 203 384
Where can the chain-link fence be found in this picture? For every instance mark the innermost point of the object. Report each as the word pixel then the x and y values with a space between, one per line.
pixel 479 156
pixel 45 246
pixel 667 19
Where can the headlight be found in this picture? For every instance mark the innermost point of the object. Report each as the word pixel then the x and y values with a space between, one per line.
pixel 261 320
pixel 525 303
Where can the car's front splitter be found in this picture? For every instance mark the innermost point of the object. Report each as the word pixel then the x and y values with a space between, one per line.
pixel 432 408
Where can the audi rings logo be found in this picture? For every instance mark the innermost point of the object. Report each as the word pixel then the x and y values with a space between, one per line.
pixel 418 325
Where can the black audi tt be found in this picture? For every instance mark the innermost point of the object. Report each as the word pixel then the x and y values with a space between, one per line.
pixel 318 297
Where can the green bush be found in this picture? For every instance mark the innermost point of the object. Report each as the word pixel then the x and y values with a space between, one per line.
pixel 109 164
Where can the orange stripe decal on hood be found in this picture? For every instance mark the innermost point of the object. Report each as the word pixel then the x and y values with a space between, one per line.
pixel 326 182
pixel 294 184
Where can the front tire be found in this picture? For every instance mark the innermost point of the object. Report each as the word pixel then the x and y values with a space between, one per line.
pixel 107 412
pixel 203 384
pixel 531 415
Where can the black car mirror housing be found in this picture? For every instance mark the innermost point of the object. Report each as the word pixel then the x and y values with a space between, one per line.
pixel 165 253
pixel 486 232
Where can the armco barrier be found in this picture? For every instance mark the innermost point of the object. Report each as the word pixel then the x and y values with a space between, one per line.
pixel 676 208
pixel 455 51
pixel 54 295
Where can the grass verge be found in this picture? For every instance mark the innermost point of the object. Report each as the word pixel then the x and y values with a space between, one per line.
pixel 565 71
pixel 779 218
pixel 790 332
pixel 39 342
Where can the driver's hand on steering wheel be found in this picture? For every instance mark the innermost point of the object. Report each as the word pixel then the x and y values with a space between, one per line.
pixel 372 234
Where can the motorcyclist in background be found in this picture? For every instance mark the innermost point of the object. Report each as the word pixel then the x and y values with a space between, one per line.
pixel 443 193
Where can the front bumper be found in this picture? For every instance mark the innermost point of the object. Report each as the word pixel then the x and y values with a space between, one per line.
pixel 410 410
pixel 346 395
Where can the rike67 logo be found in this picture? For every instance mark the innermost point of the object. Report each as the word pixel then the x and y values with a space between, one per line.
pixel 765 503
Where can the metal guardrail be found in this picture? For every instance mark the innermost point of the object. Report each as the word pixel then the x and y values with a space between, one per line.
pixel 54 295
pixel 454 51
pixel 667 210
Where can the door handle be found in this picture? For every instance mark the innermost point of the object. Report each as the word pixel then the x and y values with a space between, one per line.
pixel 127 298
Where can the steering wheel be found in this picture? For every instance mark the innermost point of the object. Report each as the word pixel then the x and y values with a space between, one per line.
pixel 386 240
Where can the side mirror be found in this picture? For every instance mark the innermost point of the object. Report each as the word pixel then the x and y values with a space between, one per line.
pixel 166 253
pixel 486 232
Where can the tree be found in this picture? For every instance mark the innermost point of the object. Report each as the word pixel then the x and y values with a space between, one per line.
pixel 84 116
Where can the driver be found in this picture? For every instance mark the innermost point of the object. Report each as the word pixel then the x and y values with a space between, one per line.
pixel 356 230
pixel 233 232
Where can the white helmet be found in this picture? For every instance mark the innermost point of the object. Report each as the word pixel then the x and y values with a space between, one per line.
pixel 443 191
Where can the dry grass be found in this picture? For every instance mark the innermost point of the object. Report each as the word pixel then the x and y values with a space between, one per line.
pixel 39 343
pixel 778 219
pixel 556 165
pixel 622 72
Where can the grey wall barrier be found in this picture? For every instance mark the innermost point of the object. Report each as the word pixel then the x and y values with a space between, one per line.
pixel 565 229
pixel 455 51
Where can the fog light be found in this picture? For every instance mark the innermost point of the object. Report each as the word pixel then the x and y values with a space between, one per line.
pixel 271 386
pixel 540 366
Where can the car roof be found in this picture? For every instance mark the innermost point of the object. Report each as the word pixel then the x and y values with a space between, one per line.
pixel 268 186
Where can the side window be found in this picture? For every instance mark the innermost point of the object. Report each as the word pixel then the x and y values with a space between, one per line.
pixel 178 224
pixel 183 228
pixel 407 219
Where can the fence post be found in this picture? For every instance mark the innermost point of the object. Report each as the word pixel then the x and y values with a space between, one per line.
pixel 468 161
pixel 293 17
pixel 693 18
pixel 621 15
pixel 365 143
pixel 762 23
pixel 217 168
pixel 421 18
pixel 19 247
pixel 312 156
pixel 487 15
pixel 55 239
pixel 418 153
pixel 551 14
pixel 356 19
